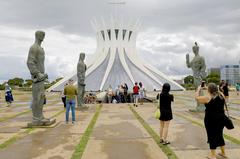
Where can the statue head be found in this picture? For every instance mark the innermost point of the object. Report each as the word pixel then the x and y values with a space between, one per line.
pixel 195 48
pixel 82 56
pixel 39 35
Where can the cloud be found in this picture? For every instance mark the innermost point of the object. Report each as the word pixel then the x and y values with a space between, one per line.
pixel 169 29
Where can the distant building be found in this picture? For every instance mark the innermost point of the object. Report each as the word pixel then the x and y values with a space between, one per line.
pixel 215 70
pixel 230 73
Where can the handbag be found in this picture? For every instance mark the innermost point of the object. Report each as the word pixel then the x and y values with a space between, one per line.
pixel 227 121
pixel 157 114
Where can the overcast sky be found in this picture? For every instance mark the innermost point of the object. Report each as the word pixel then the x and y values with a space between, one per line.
pixel 168 31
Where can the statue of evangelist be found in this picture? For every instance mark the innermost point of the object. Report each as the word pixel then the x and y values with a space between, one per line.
pixel 81 70
pixel 35 63
pixel 198 67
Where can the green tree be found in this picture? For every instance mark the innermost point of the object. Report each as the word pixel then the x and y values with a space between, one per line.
pixel 28 83
pixel 213 78
pixel 16 82
pixel 188 80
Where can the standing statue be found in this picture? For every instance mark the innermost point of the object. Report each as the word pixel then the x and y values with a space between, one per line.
pixel 198 67
pixel 35 63
pixel 81 70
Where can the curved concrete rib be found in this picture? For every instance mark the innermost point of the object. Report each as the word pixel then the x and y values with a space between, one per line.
pixel 109 67
pixel 135 60
pixel 124 64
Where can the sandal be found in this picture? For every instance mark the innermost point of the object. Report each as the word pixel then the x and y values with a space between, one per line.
pixel 161 141
pixel 223 156
pixel 166 142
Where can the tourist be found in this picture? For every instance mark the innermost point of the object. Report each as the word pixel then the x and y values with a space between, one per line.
pixel 117 94
pixel 64 97
pixel 214 118
pixel 165 100
pixel 125 92
pixel 135 94
pixel 121 93
pixel 221 85
pixel 8 95
pixel 110 94
pixel 70 92
pixel 226 91
pixel 237 85
pixel 141 93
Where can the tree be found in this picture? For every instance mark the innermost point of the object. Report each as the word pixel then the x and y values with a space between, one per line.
pixel 16 82
pixel 213 78
pixel 28 82
pixel 189 79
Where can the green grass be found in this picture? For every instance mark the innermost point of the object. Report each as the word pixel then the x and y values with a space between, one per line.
pixel 22 134
pixel 228 137
pixel 84 140
pixel 166 149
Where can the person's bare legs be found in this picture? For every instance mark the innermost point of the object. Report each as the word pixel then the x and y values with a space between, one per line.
pixel 161 130
pixel 165 130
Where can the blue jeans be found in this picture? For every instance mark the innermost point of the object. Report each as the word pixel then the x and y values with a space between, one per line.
pixel 70 104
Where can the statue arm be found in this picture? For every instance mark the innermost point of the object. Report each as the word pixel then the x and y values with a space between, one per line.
pixel 203 65
pixel 31 61
pixel 187 61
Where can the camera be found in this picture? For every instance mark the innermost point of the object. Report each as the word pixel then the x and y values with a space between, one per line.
pixel 203 84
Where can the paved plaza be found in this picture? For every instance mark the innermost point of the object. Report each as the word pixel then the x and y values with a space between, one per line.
pixel 120 131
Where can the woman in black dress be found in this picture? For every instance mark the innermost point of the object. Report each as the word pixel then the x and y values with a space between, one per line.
pixel 225 91
pixel 166 112
pixel 214 118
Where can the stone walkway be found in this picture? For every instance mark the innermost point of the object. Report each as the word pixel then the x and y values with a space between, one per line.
pixel 117 133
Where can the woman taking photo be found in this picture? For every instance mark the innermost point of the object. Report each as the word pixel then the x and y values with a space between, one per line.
pixel 166 112
pixel 214 118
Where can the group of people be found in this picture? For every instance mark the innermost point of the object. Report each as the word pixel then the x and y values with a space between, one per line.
pixel 122 95
pixel 119 95
pixel 214 119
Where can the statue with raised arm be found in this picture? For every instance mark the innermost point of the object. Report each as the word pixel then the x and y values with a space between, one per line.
pixel 198 66
pixel 35 63
pixel 81 70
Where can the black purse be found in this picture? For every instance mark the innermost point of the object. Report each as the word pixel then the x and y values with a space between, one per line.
pixel 227 121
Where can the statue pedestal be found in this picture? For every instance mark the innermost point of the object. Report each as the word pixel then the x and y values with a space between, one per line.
pixel 41 123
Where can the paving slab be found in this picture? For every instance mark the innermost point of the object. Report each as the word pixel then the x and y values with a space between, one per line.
pixel 184 136
pixel 118 135
pixel 58 142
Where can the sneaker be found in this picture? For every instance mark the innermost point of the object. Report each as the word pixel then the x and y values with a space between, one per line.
pixel 161 141
pixel 66 122
pixel 73 122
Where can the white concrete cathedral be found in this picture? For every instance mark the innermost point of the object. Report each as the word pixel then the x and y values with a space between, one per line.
pixel 117 62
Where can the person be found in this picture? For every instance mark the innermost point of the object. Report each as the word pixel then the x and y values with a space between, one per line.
pixel 8 95
pixel 237 85
pixel 214 118
pixel 64 97
pixel 70 91
pixel 110 94
pixel 221 85
pixel 166 116
pixel 135 94
pixel 141 93
pixel 226 91
pixel 125 92
pixel 121 94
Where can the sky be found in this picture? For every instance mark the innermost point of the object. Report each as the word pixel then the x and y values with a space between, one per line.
pixel 168 32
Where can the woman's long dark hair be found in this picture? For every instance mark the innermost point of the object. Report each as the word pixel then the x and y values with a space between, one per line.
pixel 166 88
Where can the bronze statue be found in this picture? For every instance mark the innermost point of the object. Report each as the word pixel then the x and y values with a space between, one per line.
pixel 81 70
pixel 35 63
pixel 198 67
